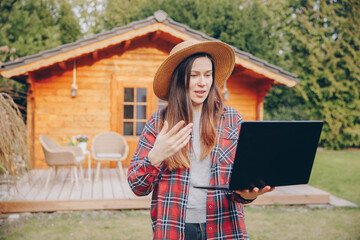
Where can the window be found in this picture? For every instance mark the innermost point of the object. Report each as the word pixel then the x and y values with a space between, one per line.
pixel 161 103
pixel 135 109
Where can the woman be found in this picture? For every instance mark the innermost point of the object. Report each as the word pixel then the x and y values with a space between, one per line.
pixel 192 142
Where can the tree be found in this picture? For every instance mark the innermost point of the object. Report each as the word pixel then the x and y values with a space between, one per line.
pixel 28 27
pixel 68 23
pixel 90 15
pixel 244 24
pixel 321 44
pixel 32 26
pixel 16 90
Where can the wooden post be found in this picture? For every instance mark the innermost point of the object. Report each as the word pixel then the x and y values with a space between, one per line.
pixel 261 93
pixel 260 110
pixel 30 117
pixel 114 92
pixel 114 118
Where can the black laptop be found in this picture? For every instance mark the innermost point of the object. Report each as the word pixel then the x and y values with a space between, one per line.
pixel 274 153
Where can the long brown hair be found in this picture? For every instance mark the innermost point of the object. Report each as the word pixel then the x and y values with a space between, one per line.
pixel 180 108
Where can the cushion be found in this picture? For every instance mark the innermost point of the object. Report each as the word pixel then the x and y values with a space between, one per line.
pixel 109 155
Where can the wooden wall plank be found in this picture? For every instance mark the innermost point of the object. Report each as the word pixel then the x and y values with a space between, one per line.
pixel 243 97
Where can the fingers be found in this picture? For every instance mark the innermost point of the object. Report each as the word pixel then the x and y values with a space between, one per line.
pixel 171 141
pixel 263 190
pixel 182 136
pixel 178 138
pixel 183 144
pixel 250 194
pixel 176 128
pixel 164 128
pixel 184 132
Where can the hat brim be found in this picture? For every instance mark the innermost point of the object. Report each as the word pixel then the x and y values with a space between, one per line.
pixel 222 54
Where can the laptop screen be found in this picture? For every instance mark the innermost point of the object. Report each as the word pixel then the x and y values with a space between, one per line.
pixel 274 153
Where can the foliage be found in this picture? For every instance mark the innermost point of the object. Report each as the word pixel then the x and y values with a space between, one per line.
pixel 16 90
pixel 68 23
pixel 14 156
pixel 27 27
pixel 284 103
pixel 241 23
pixel 81 138
pixel 32 26
pixel 321 44
pixel 90 15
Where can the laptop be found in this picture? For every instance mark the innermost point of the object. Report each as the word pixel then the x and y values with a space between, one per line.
pixel 274 153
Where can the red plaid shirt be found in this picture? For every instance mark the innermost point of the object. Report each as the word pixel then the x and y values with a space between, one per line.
pixel 225 213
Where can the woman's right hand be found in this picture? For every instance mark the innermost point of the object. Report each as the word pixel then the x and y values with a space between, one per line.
pixel 169 142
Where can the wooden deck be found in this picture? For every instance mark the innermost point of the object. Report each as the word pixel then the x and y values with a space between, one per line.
pixel 111 193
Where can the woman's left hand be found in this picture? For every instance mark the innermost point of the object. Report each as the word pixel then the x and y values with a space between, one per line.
pixel 254 193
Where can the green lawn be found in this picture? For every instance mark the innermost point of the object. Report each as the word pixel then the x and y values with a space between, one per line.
pixel 335 172
pixel 81 225
pixel 338 173
pixel 281 223
pixel 284 223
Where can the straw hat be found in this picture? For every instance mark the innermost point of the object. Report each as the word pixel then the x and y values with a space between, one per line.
pixel 223 55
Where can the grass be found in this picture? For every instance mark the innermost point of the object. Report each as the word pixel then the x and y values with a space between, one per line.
pixel 301 222
pixel 335 172
pixel 263 223
pixel 338 172
pixel 81 225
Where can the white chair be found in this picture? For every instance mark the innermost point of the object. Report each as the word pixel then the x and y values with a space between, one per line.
pixel 56 155
pixel 109 146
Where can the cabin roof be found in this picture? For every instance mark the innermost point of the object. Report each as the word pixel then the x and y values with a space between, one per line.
pixel 18 69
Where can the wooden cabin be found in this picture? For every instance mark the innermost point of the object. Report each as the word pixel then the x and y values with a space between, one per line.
pixel 104 83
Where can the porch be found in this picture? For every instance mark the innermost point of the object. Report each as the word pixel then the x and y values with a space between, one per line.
pixel 110 192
